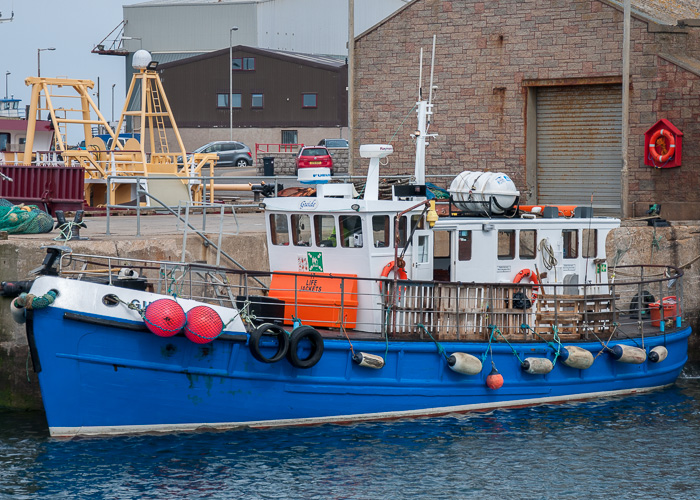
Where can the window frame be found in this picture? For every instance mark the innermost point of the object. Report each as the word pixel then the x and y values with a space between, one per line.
pixel 303 97
pixel 511 244
pixel 252 100
pixel 244 64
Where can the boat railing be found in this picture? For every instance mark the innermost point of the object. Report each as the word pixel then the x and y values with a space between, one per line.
pixel 640 300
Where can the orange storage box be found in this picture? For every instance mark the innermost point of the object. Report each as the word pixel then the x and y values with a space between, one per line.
pixel 670 310
pixel 319 298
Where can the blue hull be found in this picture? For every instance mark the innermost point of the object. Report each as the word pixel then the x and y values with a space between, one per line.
pixel 112 378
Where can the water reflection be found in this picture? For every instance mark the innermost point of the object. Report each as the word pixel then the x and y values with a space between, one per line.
pixel 632 447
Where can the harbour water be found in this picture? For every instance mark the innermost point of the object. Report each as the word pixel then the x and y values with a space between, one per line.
pixel 641 446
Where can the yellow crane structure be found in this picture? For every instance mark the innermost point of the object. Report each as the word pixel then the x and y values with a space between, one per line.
pixel 113 171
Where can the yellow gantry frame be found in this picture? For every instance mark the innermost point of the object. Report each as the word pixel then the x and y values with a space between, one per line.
pixel 128 162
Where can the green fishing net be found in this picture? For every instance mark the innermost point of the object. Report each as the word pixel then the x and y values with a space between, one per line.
pixel 23 219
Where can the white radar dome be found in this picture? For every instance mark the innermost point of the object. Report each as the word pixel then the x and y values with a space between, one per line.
pixel 141 59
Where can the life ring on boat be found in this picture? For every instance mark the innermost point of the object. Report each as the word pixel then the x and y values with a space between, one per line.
pixel 670 144
pixel 270 330
pixel 526 273
pixel 316 341
pixel 400 271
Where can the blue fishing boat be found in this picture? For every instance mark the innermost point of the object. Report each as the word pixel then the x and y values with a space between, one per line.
pixel 372 309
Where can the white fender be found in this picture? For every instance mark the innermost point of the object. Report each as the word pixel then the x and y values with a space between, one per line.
pixel 629 354
pixel 658 354
pixel 368 360
pixel 17 313
pixel 576 357
pixel 537 366
pixel 464 363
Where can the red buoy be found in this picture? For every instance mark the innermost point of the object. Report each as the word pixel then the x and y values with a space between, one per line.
pixel 164 317
pixel 203 324
pixel 494 380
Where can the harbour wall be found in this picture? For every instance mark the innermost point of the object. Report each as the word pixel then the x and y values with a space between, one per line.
pixel 633 243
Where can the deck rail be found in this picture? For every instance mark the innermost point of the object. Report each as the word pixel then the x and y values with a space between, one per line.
pixel 638 300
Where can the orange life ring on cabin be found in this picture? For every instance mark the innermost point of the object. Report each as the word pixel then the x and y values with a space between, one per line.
pixel 670 144
pixel 526 273
pixel 400 271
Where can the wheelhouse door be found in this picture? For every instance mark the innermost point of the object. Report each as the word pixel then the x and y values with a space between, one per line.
pixel 422 267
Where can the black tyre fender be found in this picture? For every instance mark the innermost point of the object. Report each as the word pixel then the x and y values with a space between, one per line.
pixel 316 340
pixel 269 330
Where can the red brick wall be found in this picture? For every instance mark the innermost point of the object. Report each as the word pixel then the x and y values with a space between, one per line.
pixel 484 52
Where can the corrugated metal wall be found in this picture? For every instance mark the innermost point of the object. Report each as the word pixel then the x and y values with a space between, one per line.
pixel 579 146
pixel 307 26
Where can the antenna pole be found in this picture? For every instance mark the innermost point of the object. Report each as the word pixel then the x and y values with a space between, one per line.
pixel 420 76
pixel 432 69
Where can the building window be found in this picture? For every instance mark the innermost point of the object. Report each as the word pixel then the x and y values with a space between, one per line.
pixel 256 101
pixel 506 244
pixel 222 100
pixel 289 137
pixel 243 63
pixel 308 100
pixel 528 244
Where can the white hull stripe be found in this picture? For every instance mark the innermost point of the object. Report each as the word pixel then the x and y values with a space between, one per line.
pixel 68 432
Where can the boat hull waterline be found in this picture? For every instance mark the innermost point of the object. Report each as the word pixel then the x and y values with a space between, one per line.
pixel 102 373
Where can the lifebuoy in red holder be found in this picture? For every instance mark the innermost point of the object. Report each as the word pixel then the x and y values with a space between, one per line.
pixel 662 155
pixel 532 277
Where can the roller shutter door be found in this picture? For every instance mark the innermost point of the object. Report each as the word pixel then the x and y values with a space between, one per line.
pixel 579 146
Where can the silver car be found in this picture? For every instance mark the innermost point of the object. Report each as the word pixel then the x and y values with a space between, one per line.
pixel 230 153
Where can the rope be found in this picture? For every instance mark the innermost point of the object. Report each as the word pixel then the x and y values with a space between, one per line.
pixel 494 331
pixel 66 231
pixel 557 350
pixel 401 124
pixel 29 301
pixel 548 258
pixel 441 350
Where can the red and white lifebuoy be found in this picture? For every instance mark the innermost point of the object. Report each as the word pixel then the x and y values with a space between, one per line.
pixel 532 277
pixel 392 267
pixel 670 144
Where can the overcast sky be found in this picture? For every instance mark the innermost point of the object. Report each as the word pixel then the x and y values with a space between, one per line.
pixel 73 27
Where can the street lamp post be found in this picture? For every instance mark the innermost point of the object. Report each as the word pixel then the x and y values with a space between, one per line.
pixel 230 81
pixel 7 73
pixel 113 101
pixel 38 59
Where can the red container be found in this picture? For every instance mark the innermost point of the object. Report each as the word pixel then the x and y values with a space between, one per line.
pixel 670 310
pixel 50 188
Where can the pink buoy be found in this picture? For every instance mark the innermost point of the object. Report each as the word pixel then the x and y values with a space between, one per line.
pixel 164 317
pixel 494 380
pixel 203 324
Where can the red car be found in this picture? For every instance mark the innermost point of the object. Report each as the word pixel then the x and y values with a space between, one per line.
pixel 314 157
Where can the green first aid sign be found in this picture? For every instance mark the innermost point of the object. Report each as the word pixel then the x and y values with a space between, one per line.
pixel 315 261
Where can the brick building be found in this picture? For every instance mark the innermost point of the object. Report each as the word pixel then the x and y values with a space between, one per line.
pixel 533 88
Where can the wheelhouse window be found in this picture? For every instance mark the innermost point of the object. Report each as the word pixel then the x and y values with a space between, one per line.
pixel 301 230
pixel 570 237
pixel 381 231
pixel 279 229
pixel 243 63
pixel 4 141
pixel 324 228
pixel 589 243
pixel 256 101
pixel 351 228
pixel 464 245
pixel 528 244
pixel 308 100
pixel 506 244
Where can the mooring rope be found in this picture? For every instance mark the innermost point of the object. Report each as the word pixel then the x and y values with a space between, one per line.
pixel 441 350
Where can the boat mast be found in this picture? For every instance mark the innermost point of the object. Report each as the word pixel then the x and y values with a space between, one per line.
pixel 424 110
